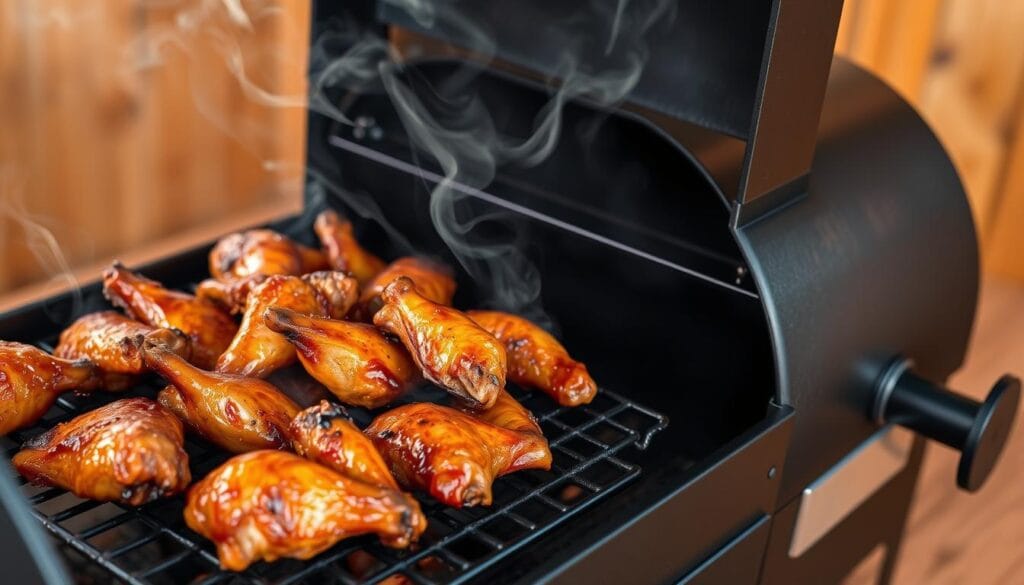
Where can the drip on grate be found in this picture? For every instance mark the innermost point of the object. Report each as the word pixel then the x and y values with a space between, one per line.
pixel 151 544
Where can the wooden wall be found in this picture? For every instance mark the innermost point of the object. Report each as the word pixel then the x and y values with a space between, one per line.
pixel 125 121
pixel 961 62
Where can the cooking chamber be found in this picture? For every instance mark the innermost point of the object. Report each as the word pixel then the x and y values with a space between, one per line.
pixel 638 270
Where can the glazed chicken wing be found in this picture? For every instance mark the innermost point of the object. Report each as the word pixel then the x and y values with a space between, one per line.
pixel 128 451
pixel 453 455
pixel 355 361
pixel 324 433
pixel 113 343
pixel 450 349
pixel 238 413
pixel 31 380
pixel 210 328
pixel 537 360
pixel 271 504
pixel 343 251
pixel 257 351
pixel 229 296
pixel 506 413
pixel 433 281
pixel 339 290
pixel 262 252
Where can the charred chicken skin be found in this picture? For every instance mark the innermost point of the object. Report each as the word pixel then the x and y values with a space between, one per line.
pixel 325 434
pixel 31 380
pixel 113 343
pixel 538 360
pixel 240 414
pixel 210 328
pixel 262 252
pixel 339 290
pixel 451 350
pixel 355 361
pixel 257 351
pixel 433 281
pixel 128 451
pixel 271 504
pixel 343 251
pixel 454 456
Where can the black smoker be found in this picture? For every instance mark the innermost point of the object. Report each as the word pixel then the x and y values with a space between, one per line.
pixel 765 257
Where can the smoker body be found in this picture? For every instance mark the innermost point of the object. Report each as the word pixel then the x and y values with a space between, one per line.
pixel 756 265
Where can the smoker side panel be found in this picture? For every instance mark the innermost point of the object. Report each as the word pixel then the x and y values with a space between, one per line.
pixel 878 522
pixel 879 257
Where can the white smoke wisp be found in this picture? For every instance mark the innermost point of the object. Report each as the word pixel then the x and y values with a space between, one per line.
pixel 460 135
pixel 39 239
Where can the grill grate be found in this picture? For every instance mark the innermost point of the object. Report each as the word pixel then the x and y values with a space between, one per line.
pixel 152 544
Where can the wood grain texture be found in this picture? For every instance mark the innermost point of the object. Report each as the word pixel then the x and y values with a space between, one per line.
pixel 126 121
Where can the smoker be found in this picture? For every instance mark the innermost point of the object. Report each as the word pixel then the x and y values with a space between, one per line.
pixel 763 254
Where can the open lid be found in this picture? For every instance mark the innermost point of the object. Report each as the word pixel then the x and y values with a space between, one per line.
pixel 752 69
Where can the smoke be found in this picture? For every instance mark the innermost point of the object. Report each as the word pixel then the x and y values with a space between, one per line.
pixel 38 238
pixel 453 128
pixel 459 133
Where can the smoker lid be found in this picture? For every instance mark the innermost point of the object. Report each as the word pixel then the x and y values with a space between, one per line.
pixel 752 69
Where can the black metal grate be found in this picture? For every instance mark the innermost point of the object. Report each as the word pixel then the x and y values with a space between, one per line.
pixel 152 544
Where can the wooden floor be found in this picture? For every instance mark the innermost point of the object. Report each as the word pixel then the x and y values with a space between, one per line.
pixel 954 537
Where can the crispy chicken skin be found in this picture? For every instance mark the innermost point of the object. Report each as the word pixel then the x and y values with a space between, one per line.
pixel 270 504
pixel 343 251
pixel 453 455
pixel 113 343
pixel 210 328
pixel 434 281
pixel 537 360
pixel 265 252
pixel 31 380
pixel 324 433
pixel 355 361
pixel 229 296
pixel 451 350
pixel 128 451
pixel 257 351
pixel 337 288
pixel 240 414
pixel 506 413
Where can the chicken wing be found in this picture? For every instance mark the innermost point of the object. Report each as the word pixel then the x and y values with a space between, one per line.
pixel 355 361
pixel 271 504
pixel 433 281
pixel 506 413
pixel 210 328
pixel 339 290
pixel 238 413
pixel 31 380
pixel 451 350
pixel 265 252
pixel 113 343
pixel 257 351
pixel 453 455
pixel 537 360
pixel 325 434
pixel 128 451
pixel 343 251
pixel 228 296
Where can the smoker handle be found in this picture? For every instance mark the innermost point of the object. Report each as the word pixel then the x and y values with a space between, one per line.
pixel 978 430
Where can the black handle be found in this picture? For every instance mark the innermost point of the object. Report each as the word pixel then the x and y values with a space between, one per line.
pixel 977 429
